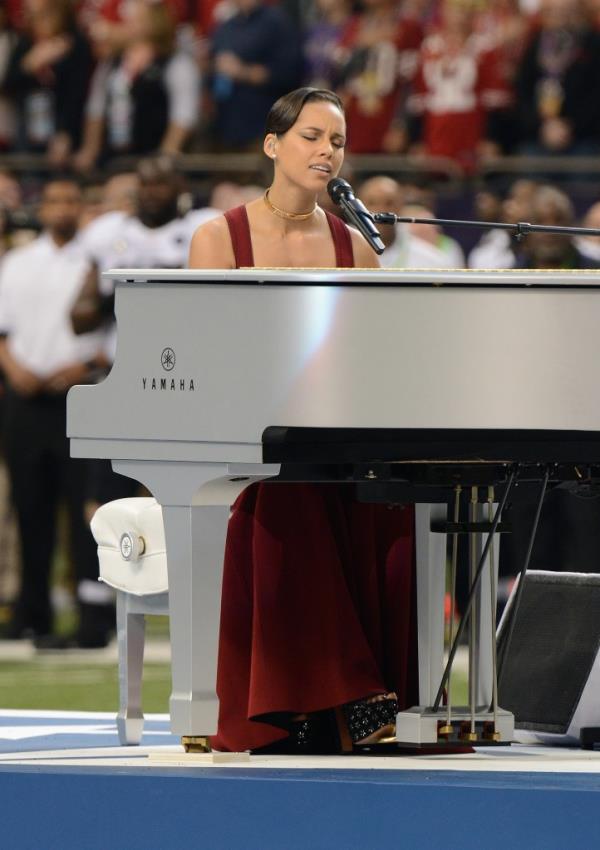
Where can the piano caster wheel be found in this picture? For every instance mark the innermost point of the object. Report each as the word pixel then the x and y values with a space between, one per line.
pixel 195 744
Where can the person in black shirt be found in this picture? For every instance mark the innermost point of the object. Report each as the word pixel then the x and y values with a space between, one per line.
pixel 48 77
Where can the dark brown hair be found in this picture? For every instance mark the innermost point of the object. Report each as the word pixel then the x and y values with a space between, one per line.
pixel 285 111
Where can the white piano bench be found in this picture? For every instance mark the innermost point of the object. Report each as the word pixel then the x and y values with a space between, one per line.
pixel 132 556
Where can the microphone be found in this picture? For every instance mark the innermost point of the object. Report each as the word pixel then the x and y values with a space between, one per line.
pixel 341 193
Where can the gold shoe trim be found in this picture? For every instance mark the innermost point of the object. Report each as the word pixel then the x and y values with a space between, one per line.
pixel 196 743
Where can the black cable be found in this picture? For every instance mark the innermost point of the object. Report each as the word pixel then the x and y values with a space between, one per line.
pixel 519 591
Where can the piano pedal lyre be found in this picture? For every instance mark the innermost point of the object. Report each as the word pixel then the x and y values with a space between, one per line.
pixel 196 743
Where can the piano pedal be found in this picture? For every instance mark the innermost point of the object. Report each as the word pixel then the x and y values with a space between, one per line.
pixel 195 744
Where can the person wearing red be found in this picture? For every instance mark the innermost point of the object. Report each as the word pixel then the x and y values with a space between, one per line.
pixel 458 82
pixel 377 57
pixel 317 628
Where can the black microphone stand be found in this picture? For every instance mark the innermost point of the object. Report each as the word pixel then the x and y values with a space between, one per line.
pixel 519 230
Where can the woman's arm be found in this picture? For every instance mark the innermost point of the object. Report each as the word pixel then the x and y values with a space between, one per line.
pixel 211 246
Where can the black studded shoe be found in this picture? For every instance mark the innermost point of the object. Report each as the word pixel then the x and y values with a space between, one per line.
pixel 365 718
pixel 312 734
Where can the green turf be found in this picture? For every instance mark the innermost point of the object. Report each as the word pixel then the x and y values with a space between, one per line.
pixel 57 684
pixel 76 686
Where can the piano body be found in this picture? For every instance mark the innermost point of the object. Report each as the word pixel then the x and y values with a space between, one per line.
pixel 402 383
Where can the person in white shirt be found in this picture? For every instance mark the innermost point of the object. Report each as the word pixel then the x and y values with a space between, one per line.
pixel 155 236
pixel 41 358
pixel 408 246
pixel 498 249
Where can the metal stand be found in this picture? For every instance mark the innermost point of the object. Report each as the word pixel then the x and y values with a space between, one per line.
pixel 482 721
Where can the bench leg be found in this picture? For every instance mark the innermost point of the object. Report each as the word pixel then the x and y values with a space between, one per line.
pixel 130 641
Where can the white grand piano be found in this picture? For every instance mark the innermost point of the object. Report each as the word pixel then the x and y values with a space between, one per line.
pixel 407 383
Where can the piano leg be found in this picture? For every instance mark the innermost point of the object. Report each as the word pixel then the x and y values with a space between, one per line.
pixel 431 588
pixel 196 501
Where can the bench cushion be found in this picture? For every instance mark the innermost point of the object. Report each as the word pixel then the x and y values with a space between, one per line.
pixel 131 545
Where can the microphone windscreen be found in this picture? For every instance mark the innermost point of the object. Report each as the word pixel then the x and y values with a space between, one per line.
pixel 338 187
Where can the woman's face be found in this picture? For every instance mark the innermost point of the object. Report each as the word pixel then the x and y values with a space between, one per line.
pixel 311 153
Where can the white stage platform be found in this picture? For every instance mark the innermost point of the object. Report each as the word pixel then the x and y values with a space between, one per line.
pixel 66 783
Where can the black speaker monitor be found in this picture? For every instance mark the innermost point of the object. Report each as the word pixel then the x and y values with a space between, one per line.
pixel 550 669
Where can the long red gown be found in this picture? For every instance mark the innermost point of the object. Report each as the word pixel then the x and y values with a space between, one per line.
pixel 318 591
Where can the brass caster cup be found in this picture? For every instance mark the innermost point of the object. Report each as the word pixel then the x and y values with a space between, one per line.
pixel 466 733
pixel 491 736
pixel 445 731
pixel 195 744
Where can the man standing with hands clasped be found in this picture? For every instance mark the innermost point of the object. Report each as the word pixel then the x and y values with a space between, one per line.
pixel 41 358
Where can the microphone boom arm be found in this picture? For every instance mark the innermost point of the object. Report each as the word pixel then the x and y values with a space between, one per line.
pixel 519 229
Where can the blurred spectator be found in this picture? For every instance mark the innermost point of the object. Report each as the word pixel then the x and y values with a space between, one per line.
pixel 256 58
pixel 322 38
pixel 91 203
pixel 8 41
pixel 14 12
pixel 458 82
pixel 550 206
pixel 48 75
pixel 409 246
pixel 497 249
pixel 107 20
pixel 211 12
pixel 589 246
pixel 11 197
pixel 226 195
pixel 120 193
pixel 41 359
pixel 145 99
pixel 506 29
pixel 17 224
pixel 423 246
pixel 560 71
pixel 155 235
pixel 418 192
pixel 382 194
pixel 380 48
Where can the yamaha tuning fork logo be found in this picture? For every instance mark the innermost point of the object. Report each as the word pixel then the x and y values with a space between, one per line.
pixel 167 359
pixel 172 383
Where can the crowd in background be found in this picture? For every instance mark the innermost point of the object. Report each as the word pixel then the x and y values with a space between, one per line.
pixel 83 84
pixel 85 80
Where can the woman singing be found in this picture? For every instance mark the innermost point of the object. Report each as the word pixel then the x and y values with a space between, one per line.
pixel 316 615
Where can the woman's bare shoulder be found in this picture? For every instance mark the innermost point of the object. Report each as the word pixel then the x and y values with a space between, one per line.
pixel 364 256
pixel 211 246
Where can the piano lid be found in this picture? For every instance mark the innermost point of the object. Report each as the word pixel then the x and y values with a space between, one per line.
pixel 204 369
pixel 587 278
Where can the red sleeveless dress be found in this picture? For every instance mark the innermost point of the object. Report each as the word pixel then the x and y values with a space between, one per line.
pixel 318 591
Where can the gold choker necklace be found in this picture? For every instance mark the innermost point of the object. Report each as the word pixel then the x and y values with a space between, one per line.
pixel 287 215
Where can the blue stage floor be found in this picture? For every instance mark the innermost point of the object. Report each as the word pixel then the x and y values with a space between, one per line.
pixel 65 783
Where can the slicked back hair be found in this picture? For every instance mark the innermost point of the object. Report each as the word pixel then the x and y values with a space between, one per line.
pixel 285 111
